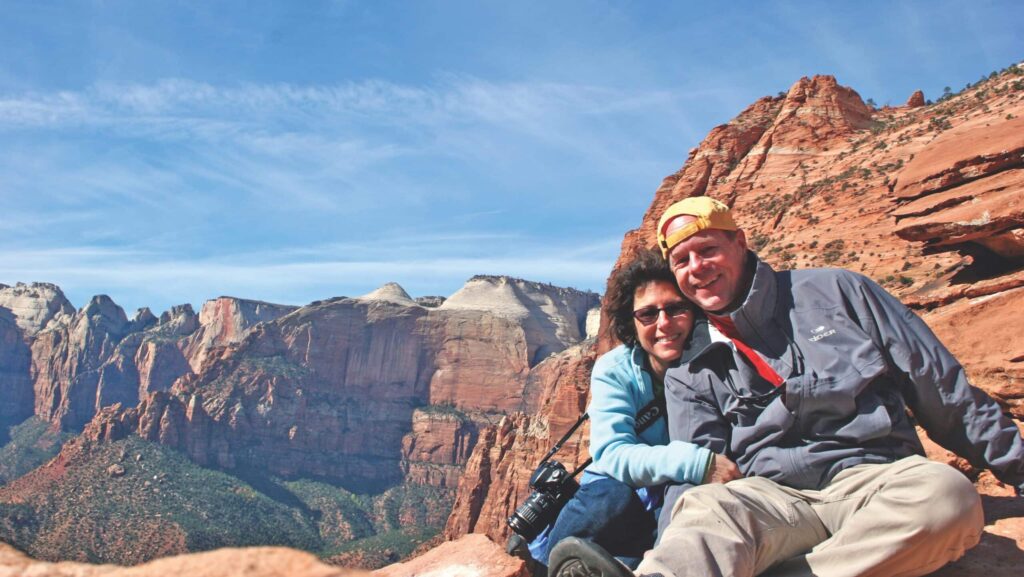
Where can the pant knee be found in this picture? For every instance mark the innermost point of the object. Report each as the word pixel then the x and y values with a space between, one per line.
pixel 954 501
pixel 609 497
pixel 945 503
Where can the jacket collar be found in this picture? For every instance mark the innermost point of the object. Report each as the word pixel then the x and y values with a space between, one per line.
pixel 758 308
pixel 699 342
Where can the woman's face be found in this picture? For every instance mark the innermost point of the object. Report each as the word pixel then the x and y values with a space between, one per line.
pixel 664 338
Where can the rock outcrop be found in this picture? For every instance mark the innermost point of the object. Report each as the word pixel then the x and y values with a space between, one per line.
pixel 15 380
pixel 247 562
pixel 498 472
pixel 97 357
pixel 436 450
pixel 916 100
pixel 391 292
pixel 365 391
pixel 470 556
pixel 36 306
pixel 67 361
pixel 553 317
pixel 225 321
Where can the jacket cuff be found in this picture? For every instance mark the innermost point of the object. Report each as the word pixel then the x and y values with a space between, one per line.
pixel 708 464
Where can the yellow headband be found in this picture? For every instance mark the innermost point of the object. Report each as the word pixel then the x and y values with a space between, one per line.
pixel 708 212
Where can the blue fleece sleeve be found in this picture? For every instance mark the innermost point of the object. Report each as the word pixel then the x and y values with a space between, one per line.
pixel 617 449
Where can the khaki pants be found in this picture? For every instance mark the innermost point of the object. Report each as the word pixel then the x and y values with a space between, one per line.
pixel 903 519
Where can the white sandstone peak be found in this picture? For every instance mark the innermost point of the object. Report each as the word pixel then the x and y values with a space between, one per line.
pixel 390 292
pixel 36 306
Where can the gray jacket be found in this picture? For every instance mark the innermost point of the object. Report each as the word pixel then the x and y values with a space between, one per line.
pixel 854 360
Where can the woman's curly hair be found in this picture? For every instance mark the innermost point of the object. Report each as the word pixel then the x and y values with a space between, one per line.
pixel 646 266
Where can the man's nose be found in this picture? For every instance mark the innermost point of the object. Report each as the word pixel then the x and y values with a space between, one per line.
pixel 696 263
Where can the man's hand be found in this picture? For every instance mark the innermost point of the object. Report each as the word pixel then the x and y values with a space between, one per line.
pixel 722 470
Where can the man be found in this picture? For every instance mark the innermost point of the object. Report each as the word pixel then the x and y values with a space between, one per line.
pixel 804 379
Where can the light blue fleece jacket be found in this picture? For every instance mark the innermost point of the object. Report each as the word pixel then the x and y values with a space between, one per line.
pixel 619 388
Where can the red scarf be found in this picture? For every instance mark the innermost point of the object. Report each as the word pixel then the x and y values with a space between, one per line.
pixel 728 328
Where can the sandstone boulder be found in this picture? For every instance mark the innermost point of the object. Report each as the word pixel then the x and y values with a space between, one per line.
pixel 470 556
pixel 247 562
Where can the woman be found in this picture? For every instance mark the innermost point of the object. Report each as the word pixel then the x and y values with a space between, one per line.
pixel 620 493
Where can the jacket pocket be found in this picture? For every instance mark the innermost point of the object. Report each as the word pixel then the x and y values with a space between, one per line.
pixel 847 408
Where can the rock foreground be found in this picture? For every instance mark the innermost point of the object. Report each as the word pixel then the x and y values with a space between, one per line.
pixel 470 556
pixel 249 562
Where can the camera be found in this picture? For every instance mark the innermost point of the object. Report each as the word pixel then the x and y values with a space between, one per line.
pixel 552 486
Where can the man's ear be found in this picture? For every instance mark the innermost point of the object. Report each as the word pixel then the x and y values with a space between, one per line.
pixel 741 238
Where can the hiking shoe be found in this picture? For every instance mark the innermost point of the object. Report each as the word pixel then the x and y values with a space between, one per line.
pixel 575 557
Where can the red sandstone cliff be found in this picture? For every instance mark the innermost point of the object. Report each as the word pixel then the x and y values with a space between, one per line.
pixel 374 389
pixel 15 380
pixel 333 389
pixel 97 357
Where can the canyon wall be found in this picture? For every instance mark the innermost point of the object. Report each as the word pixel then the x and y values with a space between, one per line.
pixel 367 391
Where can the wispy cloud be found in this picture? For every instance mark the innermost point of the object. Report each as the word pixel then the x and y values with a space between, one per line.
pixel 305 142
pixel 206 109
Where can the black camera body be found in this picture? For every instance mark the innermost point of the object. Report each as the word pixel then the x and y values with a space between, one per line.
pixel 552 486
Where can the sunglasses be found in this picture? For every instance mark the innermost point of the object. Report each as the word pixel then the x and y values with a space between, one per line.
pixel 649 315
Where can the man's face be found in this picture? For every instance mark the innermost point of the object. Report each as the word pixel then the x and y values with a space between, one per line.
pixel 709 266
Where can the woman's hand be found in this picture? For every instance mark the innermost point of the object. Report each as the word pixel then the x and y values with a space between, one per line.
pixel 722 470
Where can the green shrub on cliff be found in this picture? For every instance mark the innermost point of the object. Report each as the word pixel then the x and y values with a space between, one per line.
pixel 31 444
pixel 130 501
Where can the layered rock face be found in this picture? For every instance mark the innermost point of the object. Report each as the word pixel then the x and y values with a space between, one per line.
pixel 226 320
pixel 97 357
pixel 498 473
pixel 926 199
pixel 367 391
pixel 552 317
pixel 36 306
pixel 25 310
pixel 66 362
pixel 435 451
pixel 15 381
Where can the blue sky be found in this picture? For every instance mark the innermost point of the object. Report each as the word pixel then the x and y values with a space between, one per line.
pixel 170 152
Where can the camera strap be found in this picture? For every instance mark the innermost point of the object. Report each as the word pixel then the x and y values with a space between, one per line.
pixel 646 417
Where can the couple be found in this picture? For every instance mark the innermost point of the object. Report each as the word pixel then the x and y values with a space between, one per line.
pixel 789 447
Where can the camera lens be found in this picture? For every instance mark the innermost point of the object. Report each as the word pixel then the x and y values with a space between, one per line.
pixel 534 515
